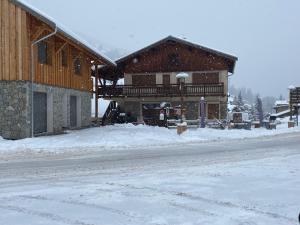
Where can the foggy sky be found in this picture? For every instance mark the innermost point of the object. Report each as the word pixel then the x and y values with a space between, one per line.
pixel 263 34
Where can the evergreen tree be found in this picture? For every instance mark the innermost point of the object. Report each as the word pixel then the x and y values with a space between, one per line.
pixel 281 98
pixel 259 109
pixel 252 114
pixel 240 101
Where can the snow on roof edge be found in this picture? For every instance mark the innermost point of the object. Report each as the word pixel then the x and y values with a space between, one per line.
pixel 61 28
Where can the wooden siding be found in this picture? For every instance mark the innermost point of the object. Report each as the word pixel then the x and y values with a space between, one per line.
pixel 173 57
pixel 14 50
pixel 18 30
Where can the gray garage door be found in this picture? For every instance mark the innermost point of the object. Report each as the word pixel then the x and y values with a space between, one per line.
pixel 73 111
pixel 39 112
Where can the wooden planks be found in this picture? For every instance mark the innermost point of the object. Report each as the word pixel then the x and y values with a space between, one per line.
pixel 18 30
pixel 13 51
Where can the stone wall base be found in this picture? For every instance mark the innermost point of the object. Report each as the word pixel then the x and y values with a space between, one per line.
pixel 15 108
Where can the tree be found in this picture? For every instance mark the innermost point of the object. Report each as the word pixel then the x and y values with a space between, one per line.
pixel 240 101
pixel 281 98
pixel 259 109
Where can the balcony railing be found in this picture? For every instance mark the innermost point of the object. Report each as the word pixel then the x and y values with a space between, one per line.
pixel 162 90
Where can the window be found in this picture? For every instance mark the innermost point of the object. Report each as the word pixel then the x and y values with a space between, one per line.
pixel 64 57
pixel 43 52
pixel 144 80
pixel 205 78
pixel 174 59
pixel 77 66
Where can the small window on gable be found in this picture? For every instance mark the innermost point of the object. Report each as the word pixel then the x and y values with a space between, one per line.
pixel 174 59
pixel 64 57
pixel 77 66
pixel 43 52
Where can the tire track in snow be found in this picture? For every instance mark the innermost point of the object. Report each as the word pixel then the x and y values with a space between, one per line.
pixel 49 216
pixel 131 216
pixel 206 200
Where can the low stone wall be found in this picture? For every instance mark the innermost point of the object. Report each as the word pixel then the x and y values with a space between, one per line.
pixel 15 108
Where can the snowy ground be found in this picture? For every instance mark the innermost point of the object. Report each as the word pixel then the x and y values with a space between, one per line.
pixel 120 137
pixel 250 182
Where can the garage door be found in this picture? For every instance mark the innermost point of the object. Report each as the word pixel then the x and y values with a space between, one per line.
pixel 73 111
pixel 39 112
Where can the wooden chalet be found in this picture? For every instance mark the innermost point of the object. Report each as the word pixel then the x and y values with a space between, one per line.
pixel 150 79
pixel 45 73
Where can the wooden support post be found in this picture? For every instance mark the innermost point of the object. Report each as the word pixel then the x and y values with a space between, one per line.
pixel 96 93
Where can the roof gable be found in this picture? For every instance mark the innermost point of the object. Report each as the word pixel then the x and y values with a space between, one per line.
pixel 62 29
pixel 229 58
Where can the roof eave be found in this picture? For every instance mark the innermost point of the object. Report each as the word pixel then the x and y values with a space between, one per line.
pixel 54 25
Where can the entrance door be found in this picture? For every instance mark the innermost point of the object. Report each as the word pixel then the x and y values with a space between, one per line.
pixel 39 112
pixel 213 111
pixel 73 111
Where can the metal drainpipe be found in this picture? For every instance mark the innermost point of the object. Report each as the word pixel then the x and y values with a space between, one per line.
pixel 33 71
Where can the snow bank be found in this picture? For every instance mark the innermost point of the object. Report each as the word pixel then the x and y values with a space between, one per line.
pixel 130 136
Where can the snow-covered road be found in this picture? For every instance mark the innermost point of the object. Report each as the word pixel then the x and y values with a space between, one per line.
pixel 253 181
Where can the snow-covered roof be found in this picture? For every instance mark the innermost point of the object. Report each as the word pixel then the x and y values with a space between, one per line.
pixel 281 113
pixel 281 102
pixel 291 87
pixel 62 29
pixel 182 75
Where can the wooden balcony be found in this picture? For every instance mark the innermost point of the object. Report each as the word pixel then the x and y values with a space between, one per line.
pixel 189 90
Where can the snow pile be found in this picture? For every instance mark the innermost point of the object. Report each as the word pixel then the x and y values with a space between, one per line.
pixel 130 136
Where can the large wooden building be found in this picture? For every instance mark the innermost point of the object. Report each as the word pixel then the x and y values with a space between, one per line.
pixel 45 74
pixel 150 79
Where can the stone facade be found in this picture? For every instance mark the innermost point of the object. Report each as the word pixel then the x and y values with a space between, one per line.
pixel 15 108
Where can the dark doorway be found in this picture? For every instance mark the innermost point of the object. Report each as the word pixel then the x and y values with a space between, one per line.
pixel 213 111
pixel 39 112
pixel 73 111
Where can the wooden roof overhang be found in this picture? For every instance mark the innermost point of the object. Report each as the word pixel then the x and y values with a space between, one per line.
pixel 67 36
pixel 112 73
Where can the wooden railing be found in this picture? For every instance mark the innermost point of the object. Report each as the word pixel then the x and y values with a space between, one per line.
pixel 162 91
